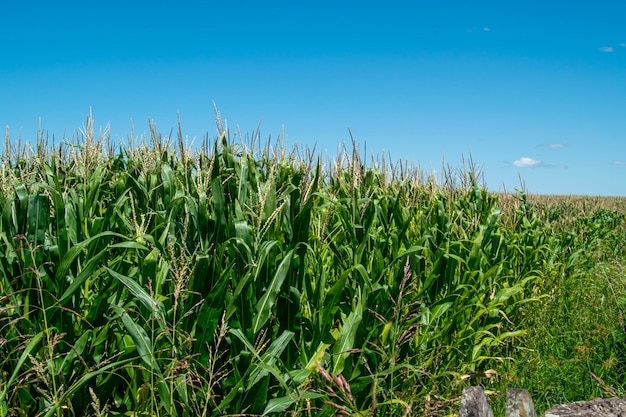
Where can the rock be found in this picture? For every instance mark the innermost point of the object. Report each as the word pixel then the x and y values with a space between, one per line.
pixel 474 403
pixel 519 403
pixel 608 407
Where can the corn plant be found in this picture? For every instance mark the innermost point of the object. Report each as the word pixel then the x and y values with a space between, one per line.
pixel 237 279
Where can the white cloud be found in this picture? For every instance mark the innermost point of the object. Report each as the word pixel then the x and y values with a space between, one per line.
pixel 479 29
pixel 608 49
pixel 619 162
pixel 556 145
pixel 525 162
pixel 623 44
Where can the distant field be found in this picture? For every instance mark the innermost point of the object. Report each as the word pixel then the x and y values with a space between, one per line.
pixel 580 203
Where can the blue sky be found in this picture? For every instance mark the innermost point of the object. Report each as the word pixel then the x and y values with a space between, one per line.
pixel 531 90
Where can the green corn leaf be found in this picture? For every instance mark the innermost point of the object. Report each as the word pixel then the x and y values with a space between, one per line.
pixel 265 250
pixel 71 223
pixel 95 185
pixel 149 265
pixel 243 339
pixel 76 351
pixel 32 345
pixel 413 250
pixel 169 183
pixel 507 335
pixel 243 231
pixel 139 337
pixel 37 223
pixel 255 396
pixel 155 306
pixel 165 395
pixel 270 201
pixel 86 272
pixel 264 307
pixel 70 257
pixel 440 307
pixel 59 223
pixel 128 245
pixel 183 389
pixel 317 357
pixel 278 405
pixel 277 347
pixel 140 190
pixel 242 192
pixel 273 370
pixel 80 384
pixel 263 364
pixel 272 354
pixel 505 293
pixel 331 299
pixel 345 340
pixel 475 253
pixel 22 198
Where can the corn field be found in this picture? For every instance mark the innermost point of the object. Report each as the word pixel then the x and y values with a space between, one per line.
pixel 152 279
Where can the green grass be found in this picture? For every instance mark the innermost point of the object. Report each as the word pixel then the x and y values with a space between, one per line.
pixel 575 347
pixel 152 279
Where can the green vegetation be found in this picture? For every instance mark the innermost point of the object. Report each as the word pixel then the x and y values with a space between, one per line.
pixel 575 346
pixel 153 280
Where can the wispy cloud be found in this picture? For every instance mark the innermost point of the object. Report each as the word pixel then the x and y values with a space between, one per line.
pixel 623 44
pixel 556 145
pixel 607 49
pixel 479 29
pixel 526 162
pixel 619 163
